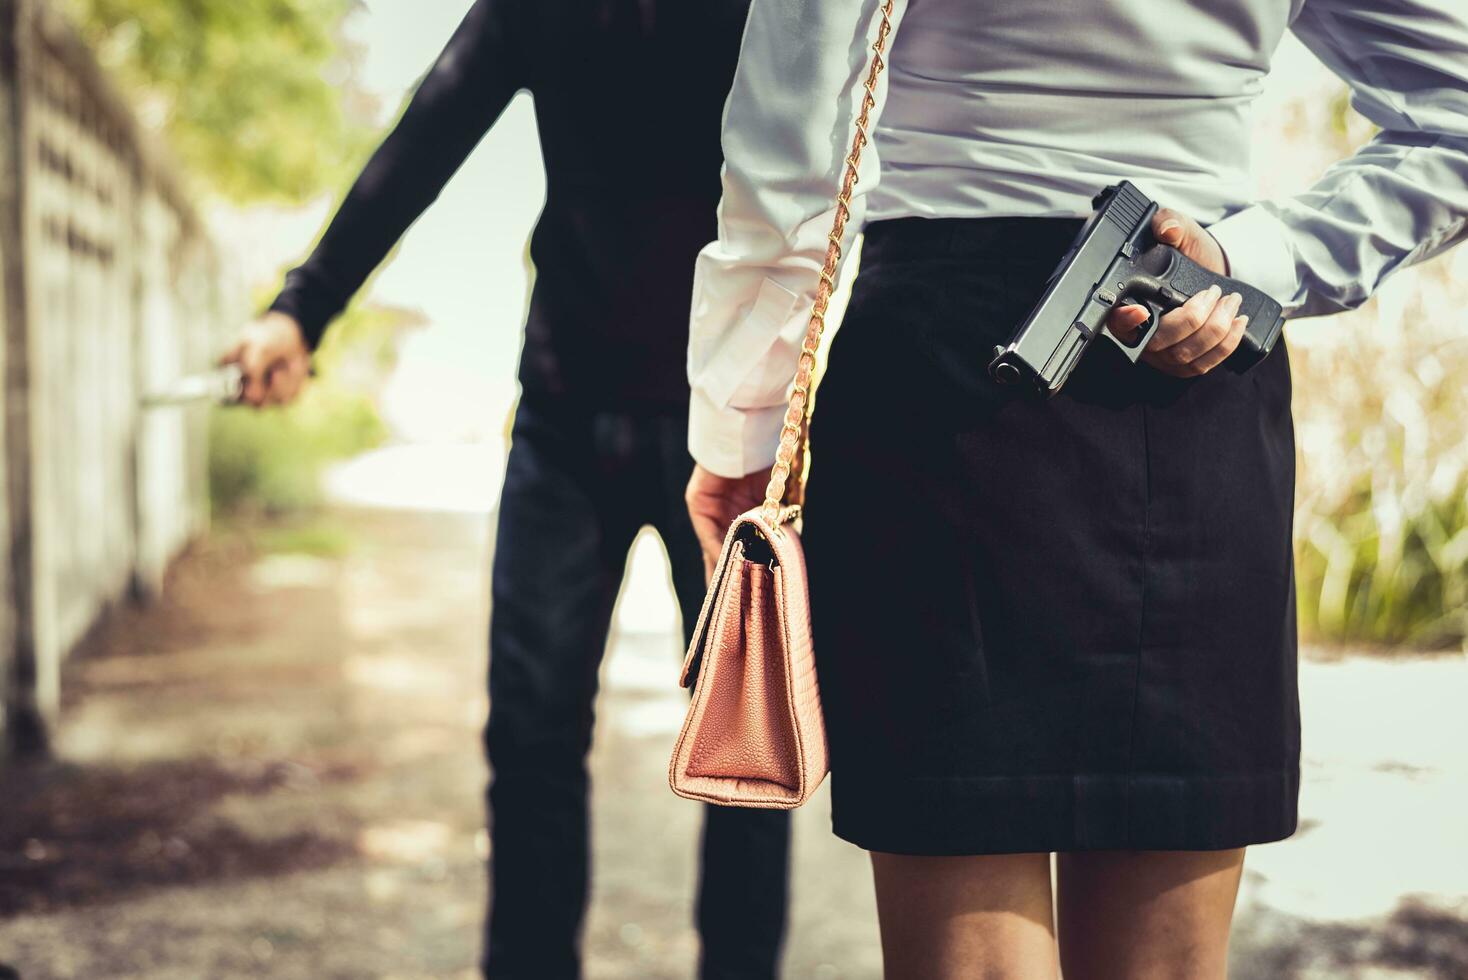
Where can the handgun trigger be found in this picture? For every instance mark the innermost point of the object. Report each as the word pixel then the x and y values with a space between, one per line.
pixel 1133 350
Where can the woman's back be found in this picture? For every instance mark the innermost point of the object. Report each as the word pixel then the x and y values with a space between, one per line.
pixel 1029 108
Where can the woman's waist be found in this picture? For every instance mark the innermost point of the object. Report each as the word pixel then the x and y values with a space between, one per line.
pixel 1006 238
pixel 960 207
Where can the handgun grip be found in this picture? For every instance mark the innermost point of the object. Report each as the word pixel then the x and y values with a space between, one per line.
pixel 1266 317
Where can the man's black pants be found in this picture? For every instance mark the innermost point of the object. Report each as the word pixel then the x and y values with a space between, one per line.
pixel 579 486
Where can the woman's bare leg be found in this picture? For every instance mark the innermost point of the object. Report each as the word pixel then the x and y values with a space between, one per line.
pixel 1146 915
pixel 966 918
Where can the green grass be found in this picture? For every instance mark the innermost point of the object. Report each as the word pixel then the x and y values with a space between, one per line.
pixel 1403 581
pixel 271 460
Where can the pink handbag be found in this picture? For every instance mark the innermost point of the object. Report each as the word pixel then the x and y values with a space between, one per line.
pixel 754 735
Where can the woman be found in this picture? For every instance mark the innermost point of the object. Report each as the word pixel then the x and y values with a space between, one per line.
pixel 1059 625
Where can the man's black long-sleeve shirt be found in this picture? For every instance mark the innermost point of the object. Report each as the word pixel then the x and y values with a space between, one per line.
pixel 628 100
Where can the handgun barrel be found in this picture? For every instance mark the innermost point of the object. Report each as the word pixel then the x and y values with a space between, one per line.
pixel 1047 346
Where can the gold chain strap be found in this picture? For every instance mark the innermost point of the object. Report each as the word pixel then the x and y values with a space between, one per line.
pixel 792 432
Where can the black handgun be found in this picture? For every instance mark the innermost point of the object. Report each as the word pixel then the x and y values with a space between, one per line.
pixel 1116 259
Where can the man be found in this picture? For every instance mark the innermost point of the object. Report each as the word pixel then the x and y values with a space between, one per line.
pixel 627 96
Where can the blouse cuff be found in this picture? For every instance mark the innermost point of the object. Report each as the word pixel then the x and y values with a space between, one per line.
pixel 732 442
pixel 1257 247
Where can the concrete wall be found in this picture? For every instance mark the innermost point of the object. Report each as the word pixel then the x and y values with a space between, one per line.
pixel 110 288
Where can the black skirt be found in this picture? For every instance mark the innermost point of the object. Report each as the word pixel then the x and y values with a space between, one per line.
pixel 1044 625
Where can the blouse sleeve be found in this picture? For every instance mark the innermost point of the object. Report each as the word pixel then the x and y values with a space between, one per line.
pixel 787 129
pixel 1400 199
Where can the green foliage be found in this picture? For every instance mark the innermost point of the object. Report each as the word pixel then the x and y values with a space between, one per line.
pixel 239 90
pixel 1401 581
pixel 272 460
pixel 1381 522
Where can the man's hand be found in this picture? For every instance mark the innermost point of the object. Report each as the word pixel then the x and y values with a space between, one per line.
pixel 1197 336
pixel 714 502
pixel 273 360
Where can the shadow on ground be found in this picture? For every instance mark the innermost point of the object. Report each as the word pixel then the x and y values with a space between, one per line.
pixel 1416 940
pixel 78 834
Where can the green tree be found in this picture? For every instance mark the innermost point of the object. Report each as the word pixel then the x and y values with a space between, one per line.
pixel 251 95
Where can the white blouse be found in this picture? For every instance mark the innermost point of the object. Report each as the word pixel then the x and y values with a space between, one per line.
pixel 998 107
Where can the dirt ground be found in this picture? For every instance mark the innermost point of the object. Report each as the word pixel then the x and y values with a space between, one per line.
pixel 275 771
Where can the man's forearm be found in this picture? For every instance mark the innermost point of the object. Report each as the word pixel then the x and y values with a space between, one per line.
pixel 467 88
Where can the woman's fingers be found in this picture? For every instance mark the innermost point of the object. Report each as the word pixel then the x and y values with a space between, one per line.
pixel 1180 324
pixel 1204 325
pixel 1210 359
pixel 713 502
pixel 1190 340
pixel 1213 330
pixel 1125 320
pixel 710 512
pixel 710 533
